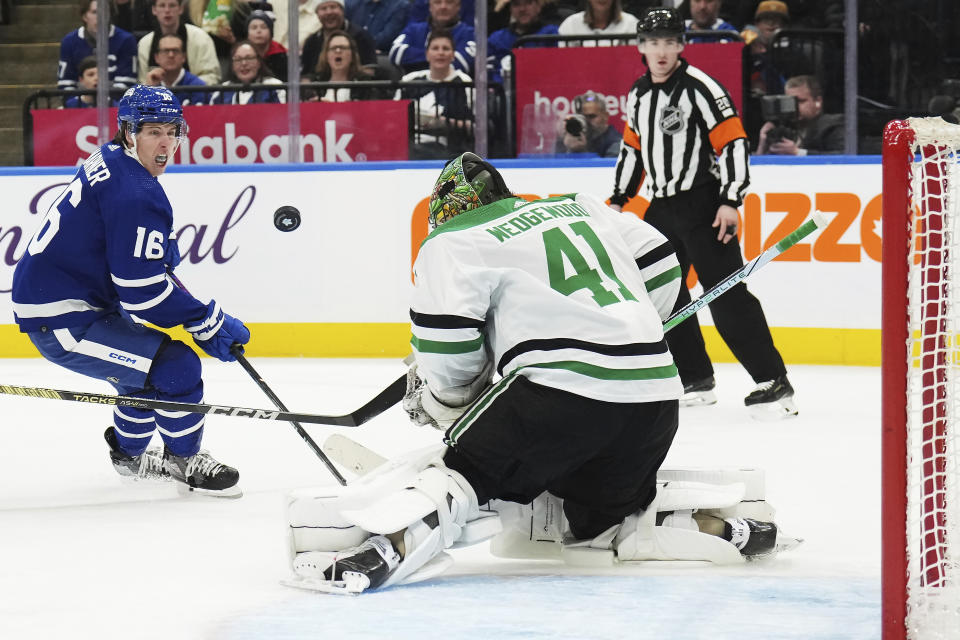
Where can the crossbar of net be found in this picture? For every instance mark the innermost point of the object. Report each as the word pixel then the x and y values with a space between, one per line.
pixel 933 385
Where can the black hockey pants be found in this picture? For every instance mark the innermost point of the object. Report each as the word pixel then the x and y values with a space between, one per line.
pixel 685 220
pixel 600 457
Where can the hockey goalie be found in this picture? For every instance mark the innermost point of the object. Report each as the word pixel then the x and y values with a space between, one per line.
pixel 540 352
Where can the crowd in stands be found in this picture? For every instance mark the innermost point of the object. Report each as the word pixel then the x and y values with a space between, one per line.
pixel 186 43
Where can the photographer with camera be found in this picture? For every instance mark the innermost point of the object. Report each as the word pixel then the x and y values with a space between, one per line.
pixel 684 139
pixel 796 124
pixel 588 129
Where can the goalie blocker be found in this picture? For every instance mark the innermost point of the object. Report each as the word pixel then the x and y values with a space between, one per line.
pixel 394 525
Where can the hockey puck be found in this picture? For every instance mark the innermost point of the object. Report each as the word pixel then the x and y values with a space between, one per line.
pixel 286 218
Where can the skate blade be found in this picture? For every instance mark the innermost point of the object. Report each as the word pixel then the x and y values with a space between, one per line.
pixel 152 481
pixel 698 399
pixel 349 586
pixel 786 542
pixel 772 411
pixel 232 492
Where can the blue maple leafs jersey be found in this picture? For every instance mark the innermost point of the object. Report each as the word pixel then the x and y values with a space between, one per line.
pixel 101 248
pixel 121 57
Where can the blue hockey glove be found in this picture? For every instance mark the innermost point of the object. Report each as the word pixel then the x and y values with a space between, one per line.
pixel 216 333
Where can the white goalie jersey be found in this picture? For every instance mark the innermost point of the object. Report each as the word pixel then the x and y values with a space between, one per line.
pixel 564 290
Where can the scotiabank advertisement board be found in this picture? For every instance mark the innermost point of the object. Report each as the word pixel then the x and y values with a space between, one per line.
pixel 245 134
pixel 548 79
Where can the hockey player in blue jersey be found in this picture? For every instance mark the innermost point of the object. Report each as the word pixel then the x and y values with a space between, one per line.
pixel 105 251
pixel 80 43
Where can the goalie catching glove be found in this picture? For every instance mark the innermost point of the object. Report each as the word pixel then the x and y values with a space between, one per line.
pixel 424 407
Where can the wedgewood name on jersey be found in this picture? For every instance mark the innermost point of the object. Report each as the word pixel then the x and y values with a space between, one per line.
pixel 197 241
pixel 532 216
pixel 231 148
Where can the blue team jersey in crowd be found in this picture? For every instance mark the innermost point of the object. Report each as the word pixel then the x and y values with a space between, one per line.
pixel 101 248
pixel 121 57
pixel 409 50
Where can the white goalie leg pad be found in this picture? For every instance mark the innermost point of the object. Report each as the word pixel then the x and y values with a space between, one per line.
pixel 753 504
pixel 314 523
pixel 435 489
pixel 639 539
pixel 436 511
pixel 534 530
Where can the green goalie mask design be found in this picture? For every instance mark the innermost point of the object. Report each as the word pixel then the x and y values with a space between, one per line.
pixel 467 182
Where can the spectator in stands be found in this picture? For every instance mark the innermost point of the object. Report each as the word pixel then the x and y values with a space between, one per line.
pixel 816 132
pixel 260 34
pixel 770 64
pixel 444 114
pixel 77 45
pixel 134 16
pixel 409 49
pixel 420 11
pixel 339 62
pixel 705 16
pixel 382 19
pixel 600 17
pixel 169 72
pixel 588 129
pixel 307 22
pixel 201 54
pixel 86 79
pixel 333 18
pixel 524 20
pixel 247 67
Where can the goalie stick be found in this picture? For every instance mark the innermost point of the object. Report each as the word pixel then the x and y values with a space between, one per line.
pixel 816 221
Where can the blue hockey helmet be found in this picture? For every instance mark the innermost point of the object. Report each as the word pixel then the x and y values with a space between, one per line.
pixel 142 104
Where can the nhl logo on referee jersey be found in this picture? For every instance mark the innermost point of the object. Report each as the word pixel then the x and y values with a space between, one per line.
pixel 671 120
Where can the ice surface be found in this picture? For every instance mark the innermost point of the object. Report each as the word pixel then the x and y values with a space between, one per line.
pixel 84 556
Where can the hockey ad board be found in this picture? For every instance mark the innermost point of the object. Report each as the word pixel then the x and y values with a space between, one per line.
pixel 340 284
pixel 356 131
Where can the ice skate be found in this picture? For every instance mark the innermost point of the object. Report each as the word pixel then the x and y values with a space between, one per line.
pixel 348 572
pixel 366 566
pixel 201 473
pixel 772 400
pixel 699 393
pixel 147 466
pixel 754 539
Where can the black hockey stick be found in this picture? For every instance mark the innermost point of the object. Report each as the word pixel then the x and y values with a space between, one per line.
pixel 383 401
pixel 237 350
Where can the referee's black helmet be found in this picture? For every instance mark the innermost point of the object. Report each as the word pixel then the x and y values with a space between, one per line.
pixel 660 23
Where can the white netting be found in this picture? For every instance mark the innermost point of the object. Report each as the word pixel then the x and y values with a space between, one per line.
pixel 933 384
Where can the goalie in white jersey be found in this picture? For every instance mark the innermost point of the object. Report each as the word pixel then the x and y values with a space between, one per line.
pixel 537 329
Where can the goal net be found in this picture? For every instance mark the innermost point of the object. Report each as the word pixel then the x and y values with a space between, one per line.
pixel 921 379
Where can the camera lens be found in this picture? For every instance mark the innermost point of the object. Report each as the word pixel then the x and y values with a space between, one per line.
pixel 574 125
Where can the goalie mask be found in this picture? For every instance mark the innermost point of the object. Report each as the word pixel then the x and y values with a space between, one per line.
pixel 467 182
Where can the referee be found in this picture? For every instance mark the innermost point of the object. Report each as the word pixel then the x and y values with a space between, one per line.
pixel 683 134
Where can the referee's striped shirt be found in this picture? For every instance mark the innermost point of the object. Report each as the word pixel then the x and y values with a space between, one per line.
pixel 684 132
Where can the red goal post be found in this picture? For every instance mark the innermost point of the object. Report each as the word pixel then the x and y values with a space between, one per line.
pixel 921 380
